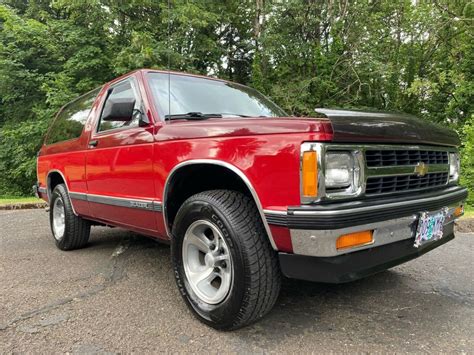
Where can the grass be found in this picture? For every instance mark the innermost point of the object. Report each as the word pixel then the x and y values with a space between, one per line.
pixel 7 200
pixel 468 212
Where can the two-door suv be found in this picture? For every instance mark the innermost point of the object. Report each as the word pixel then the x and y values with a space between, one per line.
pixel 243 192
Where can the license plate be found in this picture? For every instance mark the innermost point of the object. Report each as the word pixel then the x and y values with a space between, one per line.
pixel 430 227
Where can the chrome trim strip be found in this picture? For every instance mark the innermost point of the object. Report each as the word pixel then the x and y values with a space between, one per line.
pixel 375 207
pixel 366 208
pixel 43 190
pixel 456 155
pixel 231 168
pixel 78 196
pixel 120 201
pixel 157 206
pixel 278 213
pixel 399 170
pixel 149 205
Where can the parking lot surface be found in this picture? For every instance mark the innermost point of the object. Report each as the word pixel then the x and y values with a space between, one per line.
pixel 119 295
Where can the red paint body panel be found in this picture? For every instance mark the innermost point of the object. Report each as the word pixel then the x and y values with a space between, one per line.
pixel 135 163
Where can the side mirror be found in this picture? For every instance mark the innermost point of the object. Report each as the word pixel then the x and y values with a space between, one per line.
pixel 118 110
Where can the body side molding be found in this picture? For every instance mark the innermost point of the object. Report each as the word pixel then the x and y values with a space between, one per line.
pixel 150 205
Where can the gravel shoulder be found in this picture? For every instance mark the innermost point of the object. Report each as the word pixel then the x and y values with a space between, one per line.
pixel 119 295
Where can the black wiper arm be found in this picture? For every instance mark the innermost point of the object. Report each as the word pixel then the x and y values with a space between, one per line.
pixel 240 114
pixel 192 116
pixel 234 114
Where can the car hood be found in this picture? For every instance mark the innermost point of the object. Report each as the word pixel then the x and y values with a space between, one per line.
pixel 337 125
pixel 385 127
pixel 308 128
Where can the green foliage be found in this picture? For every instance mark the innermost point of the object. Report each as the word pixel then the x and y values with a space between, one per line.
pixel 467 160
pixel 401 55
pixel 19 143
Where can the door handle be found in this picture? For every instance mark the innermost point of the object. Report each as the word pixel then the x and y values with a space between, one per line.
pixel 93 143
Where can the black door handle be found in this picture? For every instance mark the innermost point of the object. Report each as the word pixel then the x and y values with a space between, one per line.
pixel 93 143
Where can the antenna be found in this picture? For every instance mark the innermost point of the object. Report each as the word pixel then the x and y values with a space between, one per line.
pixel 169 58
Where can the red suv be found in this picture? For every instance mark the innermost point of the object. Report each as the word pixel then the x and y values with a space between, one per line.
pixel 243 192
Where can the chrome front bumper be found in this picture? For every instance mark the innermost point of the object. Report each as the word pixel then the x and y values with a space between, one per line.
pixel 315 229
pixel 323 242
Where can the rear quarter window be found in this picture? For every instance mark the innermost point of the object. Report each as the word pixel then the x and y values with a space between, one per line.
pixel 69 122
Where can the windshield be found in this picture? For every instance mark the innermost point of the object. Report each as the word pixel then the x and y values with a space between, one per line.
pixel 206 96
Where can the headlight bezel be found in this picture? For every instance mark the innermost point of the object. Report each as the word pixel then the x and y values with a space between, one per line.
pixel 454 157
pixel 356 186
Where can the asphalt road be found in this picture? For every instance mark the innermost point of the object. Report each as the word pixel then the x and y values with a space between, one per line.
pixel 119 295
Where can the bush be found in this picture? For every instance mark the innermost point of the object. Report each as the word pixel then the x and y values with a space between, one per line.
pixel 19 144
pixel 467 160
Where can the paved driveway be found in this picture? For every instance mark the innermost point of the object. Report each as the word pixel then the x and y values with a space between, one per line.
pixel 119 294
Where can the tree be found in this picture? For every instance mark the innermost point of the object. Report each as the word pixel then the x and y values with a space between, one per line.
pixel 402 55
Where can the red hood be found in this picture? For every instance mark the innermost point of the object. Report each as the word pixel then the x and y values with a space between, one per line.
pixel 230 127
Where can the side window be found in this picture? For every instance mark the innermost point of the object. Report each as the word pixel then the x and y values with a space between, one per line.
pixel 126 89
pixel 70 121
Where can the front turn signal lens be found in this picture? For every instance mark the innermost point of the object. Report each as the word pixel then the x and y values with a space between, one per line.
pixel 459 211
pixel 355 239
pixel 309 174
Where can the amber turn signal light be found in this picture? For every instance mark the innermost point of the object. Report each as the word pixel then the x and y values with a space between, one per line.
pixel 354 239
pixel 310 174
pixel 459 211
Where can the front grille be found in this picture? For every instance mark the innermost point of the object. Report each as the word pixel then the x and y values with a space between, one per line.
pixel 376 158
pixel 404 183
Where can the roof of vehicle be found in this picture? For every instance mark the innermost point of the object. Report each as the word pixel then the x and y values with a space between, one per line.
pixel 164 71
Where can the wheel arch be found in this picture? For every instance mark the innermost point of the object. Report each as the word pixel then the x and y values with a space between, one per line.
pixel 54 178
pixel 203 168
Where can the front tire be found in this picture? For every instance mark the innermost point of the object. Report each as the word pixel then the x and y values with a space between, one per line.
pixel 69 231
pixel 225 267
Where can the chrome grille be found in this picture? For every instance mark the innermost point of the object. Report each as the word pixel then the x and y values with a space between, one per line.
pixel 382 170
pixel 404 183
pixel 390 157
pixel 393 170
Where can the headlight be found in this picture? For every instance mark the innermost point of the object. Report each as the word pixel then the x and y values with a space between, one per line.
pixel 330 172
pixel 454 166
pixel 339 170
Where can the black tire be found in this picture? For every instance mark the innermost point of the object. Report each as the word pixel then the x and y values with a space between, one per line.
pixel 256 281
pixel 76 230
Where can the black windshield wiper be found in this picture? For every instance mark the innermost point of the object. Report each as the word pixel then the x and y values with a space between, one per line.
pixel 240 115
pixel 234 114
pixel 192 116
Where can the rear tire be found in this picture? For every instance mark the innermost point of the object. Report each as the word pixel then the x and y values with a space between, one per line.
pixel 233 253
pixel 69 231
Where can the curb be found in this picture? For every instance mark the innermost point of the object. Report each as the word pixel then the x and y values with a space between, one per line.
pixel 465 225
pixel 23 206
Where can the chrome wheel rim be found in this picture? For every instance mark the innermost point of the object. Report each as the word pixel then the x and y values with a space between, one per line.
pixel 207 262
pixel 59 219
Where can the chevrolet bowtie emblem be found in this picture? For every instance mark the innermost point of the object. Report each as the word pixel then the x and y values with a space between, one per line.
pixel 421 169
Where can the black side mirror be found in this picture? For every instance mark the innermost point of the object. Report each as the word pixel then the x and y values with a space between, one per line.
pixel 119 110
